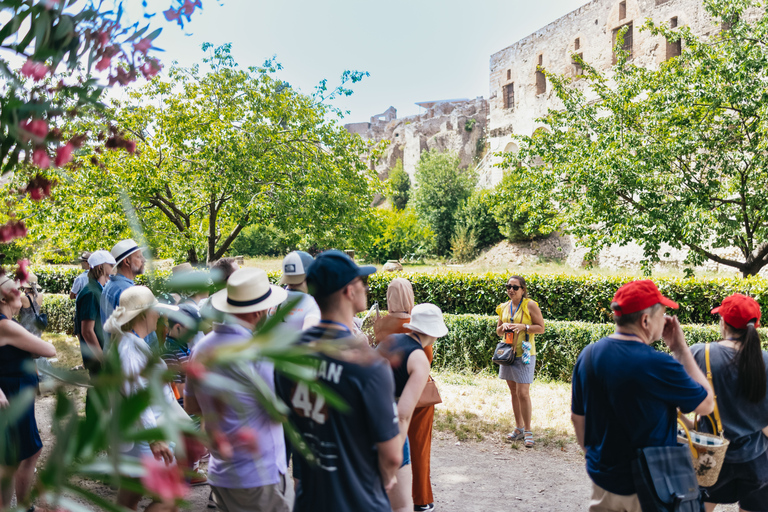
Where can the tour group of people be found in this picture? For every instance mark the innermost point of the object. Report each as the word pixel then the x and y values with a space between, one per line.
pixel 374 454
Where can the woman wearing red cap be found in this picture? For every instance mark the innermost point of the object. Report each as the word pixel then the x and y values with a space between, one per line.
pixel 739 369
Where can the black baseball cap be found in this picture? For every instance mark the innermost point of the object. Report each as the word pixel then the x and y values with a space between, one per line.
pixel 333 270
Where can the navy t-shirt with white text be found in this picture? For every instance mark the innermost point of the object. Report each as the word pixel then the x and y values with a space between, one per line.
pixel 347 477
pixel 645 388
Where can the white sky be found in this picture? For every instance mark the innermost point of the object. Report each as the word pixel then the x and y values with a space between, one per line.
pixel 415 50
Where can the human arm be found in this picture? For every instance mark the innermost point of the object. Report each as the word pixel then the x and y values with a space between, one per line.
pixel 418 373
pixel 191 404
pixel 503 327
pixel 17 336
pixel 72 295
pixel 3 400
pixel 88 333
pixel 537 321
pixel 390 459
pixel 673 337
pixel 579 426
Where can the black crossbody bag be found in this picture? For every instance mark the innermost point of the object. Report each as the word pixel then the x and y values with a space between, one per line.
pixel 664 478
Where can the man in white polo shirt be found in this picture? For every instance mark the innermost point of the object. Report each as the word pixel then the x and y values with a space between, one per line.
pixel 305 313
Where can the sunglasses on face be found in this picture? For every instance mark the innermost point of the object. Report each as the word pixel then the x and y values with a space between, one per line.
pixel 512 287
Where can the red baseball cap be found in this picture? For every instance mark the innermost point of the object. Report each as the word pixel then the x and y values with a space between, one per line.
pixel 638 295
pixel 738 310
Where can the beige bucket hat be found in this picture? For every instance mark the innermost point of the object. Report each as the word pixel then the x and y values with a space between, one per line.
pixel 133 302
pixel 248 290
pixel 427 319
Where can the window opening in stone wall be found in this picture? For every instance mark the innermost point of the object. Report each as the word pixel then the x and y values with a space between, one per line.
pixel 622 10
pixel 659 2
pixel 576 44
pixel 541 82
pixel 674 48
pixel 627 46
pixel 577 69
pixel 673 22
pixel 509 74
pixel 509 96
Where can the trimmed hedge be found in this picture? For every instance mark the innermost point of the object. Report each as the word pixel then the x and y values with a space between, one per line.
pixel 61 313
pixel 471 340
pixel 585 298
pixel 57 279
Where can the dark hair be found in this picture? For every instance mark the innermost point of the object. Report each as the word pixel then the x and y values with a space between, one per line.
pixel 521 280
pixel 749 362
pixel 224 265
pixel 632 318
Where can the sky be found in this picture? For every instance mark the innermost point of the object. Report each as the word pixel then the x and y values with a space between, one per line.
pixel 414 50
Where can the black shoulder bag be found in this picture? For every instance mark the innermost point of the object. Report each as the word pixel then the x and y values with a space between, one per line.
pixel 664 478
pixel 504 354
pixel 41 319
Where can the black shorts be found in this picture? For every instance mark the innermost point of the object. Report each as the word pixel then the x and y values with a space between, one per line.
pixel 742 482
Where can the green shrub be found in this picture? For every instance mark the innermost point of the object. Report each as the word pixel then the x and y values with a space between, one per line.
pixel 521 216
pixel 585 298
pixel 476 213
pixel 61 313
pixel 398 186
pixel 259 241
pixel 463 244
pixel 56 279
pixel 471 340
pixel 397 234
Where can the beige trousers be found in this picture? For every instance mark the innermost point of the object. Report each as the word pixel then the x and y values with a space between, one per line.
pixel 604 501
pixel 269 498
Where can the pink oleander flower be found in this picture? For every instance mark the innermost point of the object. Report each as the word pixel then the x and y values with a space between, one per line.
pixel 103 38
pixel 22 272
pixel 165 481
pixel 34 70
pixel 50 4
pixel 143 46
pixel 195 370
pixel 64 154
pixel 189 7
pixel 247 439
pixel 222 445
pixel 171 15
pixel 41 159
pixel 104 63
pixel 150 68
pixel 194 448
pixel 130 146
pixel 122 77
pixel 12 230
pixel 38 188
pixel 36 127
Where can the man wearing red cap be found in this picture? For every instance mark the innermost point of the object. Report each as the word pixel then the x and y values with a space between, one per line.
pixel 625 394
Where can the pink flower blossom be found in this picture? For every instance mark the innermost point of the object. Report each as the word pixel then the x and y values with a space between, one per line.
pixel 64 154
pixel 34 70
pixel 104 63
pixel 247 439
pixel 195 370
pixel 12 230
pixel 38 188
pixel 36 127
pixel 165 481
pixel 143 46
pixel 130 146
pixel 150 68
pixel 41 159
pixel 171 15
pixel 22 272
pixel 222 445
pixel 103 38
pixel 189 7
pixel 122 77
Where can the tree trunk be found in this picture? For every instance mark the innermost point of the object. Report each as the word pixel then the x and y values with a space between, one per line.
pixel 192 256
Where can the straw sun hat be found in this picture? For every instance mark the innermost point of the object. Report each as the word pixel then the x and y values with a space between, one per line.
pixel 133 302
pixel 248 290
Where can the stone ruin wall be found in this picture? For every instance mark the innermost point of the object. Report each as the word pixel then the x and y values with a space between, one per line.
pixel 456 126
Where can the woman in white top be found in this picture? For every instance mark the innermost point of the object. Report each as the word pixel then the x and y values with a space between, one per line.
pixel 134 319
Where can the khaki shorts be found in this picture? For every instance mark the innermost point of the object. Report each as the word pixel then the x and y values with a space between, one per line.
pixel 604 501
pixel 269 498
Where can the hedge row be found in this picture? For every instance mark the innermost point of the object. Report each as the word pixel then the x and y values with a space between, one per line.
pixel 470 341
pixel 585 298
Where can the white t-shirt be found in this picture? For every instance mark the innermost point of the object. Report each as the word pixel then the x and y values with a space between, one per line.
pixel 305 309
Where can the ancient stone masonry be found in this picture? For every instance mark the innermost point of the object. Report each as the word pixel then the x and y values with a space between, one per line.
pixel 450 125
pixel 519 92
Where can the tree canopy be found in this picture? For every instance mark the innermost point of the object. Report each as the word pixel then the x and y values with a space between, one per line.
pixel 675 154
pixel 217 150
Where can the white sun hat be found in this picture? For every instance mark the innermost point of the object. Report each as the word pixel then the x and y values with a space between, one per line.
pixel 248 290
pixel 123 249
pixel 99 258
pixel 133 302
pixel 427 319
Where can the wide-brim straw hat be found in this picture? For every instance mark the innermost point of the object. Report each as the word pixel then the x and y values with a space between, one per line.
pixel 133 302
pixel 7 284
pixel 248 290
pixel 427 319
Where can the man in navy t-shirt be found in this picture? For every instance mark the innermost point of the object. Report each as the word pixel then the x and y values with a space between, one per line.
pixel 355 453
pixel 625 394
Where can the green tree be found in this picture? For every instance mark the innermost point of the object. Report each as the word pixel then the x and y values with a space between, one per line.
pixel 398 186
pixel 441 186
pixel 476 213
pixel 675 154
pixel 398 234
pixel 218 151
pixel 520 214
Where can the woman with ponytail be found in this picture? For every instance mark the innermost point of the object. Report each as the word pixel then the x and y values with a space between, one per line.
pixel 739 367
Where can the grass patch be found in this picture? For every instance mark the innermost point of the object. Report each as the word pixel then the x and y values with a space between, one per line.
pixel 67 350
pixel 478 406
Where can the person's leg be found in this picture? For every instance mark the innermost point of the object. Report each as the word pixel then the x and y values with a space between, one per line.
pixel 420 437
pixel 128 499
pixel 400 495
pixel 157 506
pixel 24 477
pixel 6 485
pixel 519 421
pixel 524 401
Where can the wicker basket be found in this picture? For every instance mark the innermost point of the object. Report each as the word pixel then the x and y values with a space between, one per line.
pixel 707 453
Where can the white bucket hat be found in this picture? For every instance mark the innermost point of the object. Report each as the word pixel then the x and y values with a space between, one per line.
pixel 133 302
pixel 99 258
pixel 248 290
pixel 427 319
pixel 123 249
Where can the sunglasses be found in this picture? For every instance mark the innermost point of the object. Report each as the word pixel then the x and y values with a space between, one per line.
pixel 512 287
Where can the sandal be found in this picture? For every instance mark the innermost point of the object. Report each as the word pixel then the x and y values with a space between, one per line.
pixel 516 435
pixel 529 442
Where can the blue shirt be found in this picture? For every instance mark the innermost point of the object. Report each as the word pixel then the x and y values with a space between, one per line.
pixel 630 401
pixel 110 299
pixel 79 282
pixel 346 478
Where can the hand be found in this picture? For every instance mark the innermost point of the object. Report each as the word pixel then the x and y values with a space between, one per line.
pixel 673 334
pixel 517 327
pixel 3 401
pixel 391 484
pixel 507 327
pixel 161 451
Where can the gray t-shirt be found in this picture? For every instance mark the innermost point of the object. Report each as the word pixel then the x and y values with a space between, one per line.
pixel 743 421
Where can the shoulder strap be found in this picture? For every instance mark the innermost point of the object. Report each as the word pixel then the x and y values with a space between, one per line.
pixel 709 378
pixel 31 303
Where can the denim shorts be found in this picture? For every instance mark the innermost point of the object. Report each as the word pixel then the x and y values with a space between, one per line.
pixel 742 482
pixel 406 453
